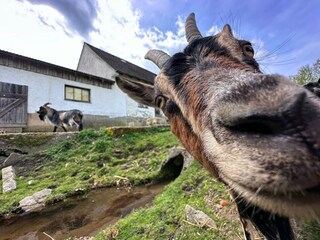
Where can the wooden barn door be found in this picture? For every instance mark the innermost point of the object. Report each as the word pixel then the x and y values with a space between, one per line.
pixel 13 105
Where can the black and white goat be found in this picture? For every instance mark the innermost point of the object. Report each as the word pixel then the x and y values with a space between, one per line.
pixel 61 118
pixel 314 87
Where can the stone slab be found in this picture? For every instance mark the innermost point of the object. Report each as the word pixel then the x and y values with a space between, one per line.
pixel 35 201
pixel 8 179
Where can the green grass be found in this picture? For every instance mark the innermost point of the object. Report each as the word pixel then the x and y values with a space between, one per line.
pixel 103 158
pixel 94 159
pixel 311 230
pixel 165 219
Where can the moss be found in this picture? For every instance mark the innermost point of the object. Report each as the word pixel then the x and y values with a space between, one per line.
pixel 165 219
pixel 311 230
pixel 93 159
pixel 120 131
pixel 21 140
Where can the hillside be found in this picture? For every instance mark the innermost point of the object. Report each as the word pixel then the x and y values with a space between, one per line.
pixel 126 158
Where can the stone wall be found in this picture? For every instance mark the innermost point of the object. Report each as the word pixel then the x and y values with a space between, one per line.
pixel 89 121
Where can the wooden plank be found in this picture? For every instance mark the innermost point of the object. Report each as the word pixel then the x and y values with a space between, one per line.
pixel 12 105
pixel 13 95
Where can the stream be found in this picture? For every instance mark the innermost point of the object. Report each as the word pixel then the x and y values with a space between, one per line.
pixel 79 216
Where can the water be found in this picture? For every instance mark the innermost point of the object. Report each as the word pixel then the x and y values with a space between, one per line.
pixel 79 216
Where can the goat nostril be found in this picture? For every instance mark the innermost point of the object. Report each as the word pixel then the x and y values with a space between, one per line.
pixel 257 124
pixel 277 120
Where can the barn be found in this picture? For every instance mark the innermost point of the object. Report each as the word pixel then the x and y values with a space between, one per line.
pixel 27 83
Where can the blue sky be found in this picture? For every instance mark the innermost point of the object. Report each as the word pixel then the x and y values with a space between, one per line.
pixel 285 33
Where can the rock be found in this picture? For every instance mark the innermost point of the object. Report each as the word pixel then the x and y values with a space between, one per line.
pixel 218 206
pixel 29 236
pixel 8 179
pixel 198 217
pixel 29 203
pixel 41 195
pixel 31 182
pixel 157 121
pixel 12 159
pixel 161 230
pixel 187 158
pixel 177 161
pixel 35 201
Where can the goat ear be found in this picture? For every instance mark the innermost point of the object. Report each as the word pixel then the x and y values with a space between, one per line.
pixel 227 31
pixel 140 92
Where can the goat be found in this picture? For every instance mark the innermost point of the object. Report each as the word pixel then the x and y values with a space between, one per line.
pixel 254 132
pixel 314 87
pixel 61 119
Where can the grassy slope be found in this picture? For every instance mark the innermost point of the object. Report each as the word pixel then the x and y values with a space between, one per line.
pixel 94 158
pixel 99 158
pixel 166 219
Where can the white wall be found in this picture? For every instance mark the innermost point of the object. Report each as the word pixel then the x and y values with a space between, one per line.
pixel 43 88
pixel 91 63
pixel 134 111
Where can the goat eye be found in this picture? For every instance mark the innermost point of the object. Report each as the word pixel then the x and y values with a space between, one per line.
pixel 248 50
pixel 160 101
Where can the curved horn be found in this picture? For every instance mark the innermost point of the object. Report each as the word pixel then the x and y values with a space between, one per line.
pixel 192 31
pixel 47 104
pixel 158 57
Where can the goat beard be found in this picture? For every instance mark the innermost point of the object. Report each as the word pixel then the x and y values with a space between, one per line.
pixel 42 116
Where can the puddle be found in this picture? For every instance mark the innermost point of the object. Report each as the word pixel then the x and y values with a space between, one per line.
pixel 79 217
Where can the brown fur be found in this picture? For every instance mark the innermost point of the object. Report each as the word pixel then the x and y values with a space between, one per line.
pixel 257 133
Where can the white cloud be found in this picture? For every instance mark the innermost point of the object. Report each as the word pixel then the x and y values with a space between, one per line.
pixel 23 32
pixel 259 48
pixel 118 27
pixel 120 34
pixel 273 61
pixel 213 31
pixel 41 32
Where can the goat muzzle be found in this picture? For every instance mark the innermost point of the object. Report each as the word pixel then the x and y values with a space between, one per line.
pixel 268 136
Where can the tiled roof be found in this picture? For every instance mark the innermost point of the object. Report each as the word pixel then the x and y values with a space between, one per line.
pixel 124 67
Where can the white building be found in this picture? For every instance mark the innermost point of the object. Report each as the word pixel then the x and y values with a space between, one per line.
pixel 91 88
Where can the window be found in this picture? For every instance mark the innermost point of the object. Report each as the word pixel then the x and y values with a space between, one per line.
pixel 77 94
